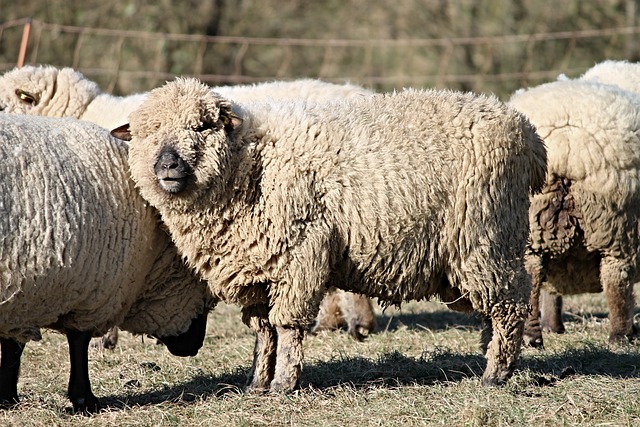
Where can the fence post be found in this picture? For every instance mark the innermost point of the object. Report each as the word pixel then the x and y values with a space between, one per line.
pixel 23 43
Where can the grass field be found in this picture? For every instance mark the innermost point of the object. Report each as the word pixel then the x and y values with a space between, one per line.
pixel 422 368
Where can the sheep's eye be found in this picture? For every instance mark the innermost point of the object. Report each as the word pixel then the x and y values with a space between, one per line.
pixel 27 97
pixel 204 126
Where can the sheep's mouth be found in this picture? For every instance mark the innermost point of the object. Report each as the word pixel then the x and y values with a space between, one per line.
pixel 172 171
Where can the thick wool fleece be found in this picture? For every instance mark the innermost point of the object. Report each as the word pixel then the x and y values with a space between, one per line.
pixel 400 196
pixel 79 248
pixel 584 226
pixel 311 90
pixel 620 73
pixel 62 92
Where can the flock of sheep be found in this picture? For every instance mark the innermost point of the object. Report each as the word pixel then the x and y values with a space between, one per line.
pixel 300 201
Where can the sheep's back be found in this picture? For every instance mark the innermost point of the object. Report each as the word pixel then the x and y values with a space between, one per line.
pixel 413 180
pixel 591 132
pixel 75 238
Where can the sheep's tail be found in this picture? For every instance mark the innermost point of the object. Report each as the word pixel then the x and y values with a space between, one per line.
pixel 537 153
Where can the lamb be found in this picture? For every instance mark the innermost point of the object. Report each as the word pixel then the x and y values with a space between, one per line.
pixel 271 202
pixel 81 251
pixel 50 91
pixel 584 224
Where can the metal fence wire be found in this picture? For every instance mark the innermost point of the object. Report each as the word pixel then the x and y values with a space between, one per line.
pixel 130 61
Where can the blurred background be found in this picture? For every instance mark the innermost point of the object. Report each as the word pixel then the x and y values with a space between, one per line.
pixel 480 45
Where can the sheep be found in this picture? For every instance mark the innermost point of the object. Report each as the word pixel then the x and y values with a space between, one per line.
pixel 399 196
pixel 346 309
pixel 584 224
pixel 63 92
pixel 81 251
pixel 50 91
pixel 627 76
pixel 624 74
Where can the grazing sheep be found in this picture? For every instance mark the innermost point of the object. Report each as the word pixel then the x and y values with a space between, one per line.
pixel 81 251
pixel 584 224
pixel 50 91
pixel 345 309
pixel 399 196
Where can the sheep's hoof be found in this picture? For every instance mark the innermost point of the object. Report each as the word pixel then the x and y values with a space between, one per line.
pixel 86 406
pixel 532 336
pixel 495 380
pixel 8 402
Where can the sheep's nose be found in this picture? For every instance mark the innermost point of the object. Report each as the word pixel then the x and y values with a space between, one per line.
pixel 172 171
pixel 168 160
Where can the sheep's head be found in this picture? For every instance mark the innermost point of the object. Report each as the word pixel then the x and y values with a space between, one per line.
pixel 179 141
pixel 46 91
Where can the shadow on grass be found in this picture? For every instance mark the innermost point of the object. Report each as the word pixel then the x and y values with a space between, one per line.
pixel 395 369
pixel 434 321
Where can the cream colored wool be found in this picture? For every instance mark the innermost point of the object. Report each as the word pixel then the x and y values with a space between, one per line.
pixel 624 74
pixel 45 90
pixel 399 196
pixel 79 248
pixel 62 92
pixel 591 133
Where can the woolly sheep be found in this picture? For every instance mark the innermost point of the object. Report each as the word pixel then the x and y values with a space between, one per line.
pixel 80 251
pixel 50 91
pixel 584 224
pixel 345 309
pixel 400 196
pixel 627 76
pixel 624 74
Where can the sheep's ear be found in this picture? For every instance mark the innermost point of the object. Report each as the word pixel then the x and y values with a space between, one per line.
pixel 231 121
pixel 122 132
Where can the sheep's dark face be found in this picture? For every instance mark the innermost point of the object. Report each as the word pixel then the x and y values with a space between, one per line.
pixel 180 143
pixel 188 343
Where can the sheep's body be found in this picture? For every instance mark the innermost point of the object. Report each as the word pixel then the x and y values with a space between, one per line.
pixel 80 250
pixel 355 193
pixel 620 73
pixel 311 90
pixel 625 75
pixel 584 224
pixel 67 93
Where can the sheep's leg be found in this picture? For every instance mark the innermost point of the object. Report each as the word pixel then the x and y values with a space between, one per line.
pixel 533 329
pixel 294 302
pixel 507 325
pixel 264 352
pixel 618 290
pixel 79 390
pixel 551 312
pixel 10 354
pixel 289 358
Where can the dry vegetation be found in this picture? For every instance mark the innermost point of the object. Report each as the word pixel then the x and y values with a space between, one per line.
pixel 422 368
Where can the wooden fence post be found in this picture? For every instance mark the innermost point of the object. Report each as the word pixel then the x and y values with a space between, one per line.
pixel 23 43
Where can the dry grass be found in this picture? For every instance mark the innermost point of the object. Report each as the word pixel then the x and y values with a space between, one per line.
pixel 422 368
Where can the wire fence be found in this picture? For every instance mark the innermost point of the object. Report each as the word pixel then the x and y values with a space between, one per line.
pixel 128 61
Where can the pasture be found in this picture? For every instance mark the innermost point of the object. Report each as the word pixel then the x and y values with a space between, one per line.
pixel 422 367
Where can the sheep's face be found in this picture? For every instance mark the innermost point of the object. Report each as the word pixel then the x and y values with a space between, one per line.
pixel 45 91
pixel 180 142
